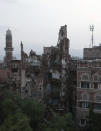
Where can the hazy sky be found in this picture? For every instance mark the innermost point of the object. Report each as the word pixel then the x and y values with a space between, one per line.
pixel 37 22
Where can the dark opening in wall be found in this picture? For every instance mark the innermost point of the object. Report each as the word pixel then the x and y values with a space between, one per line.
pixel 84 84
pixel 95 85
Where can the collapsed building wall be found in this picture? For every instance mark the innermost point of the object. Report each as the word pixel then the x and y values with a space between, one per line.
pixel 58 74
pixel 31 82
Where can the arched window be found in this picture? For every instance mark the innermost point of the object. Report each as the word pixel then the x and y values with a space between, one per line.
pixel 95 77
pixel 85 96
pixel 85 77
pixel 97 97
pixel 97 101
pixel 85 100
pixel 95 80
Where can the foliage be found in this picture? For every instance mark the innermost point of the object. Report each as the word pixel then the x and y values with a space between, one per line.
pixel 34 110
pixel 31 112
pixel 94 121
pixel 60 123
pixel 17 122
pixel 18 114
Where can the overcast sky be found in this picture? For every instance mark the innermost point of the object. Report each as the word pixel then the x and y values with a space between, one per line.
pixel 37 22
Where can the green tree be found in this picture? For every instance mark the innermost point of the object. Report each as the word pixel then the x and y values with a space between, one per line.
pixel 18 114
pixel 60 123
pixel 34 110
pixel 94 120
pixel 8 104
pixel 17 122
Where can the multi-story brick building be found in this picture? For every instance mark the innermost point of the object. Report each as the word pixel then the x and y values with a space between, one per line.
pixel 92 53
pixel 88 85
pixel 4 73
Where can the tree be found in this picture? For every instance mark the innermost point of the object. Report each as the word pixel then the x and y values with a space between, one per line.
pixel 34 110
pixel 17 122
pixel 61 123
pixel 12 104
pixel 8 104
pixel 94 120
pixel 18 114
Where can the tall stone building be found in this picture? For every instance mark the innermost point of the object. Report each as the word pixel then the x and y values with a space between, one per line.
pixel 88 84
pixel 8 48
pixel 5 72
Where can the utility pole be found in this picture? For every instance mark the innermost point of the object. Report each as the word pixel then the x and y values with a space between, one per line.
pixel 92 37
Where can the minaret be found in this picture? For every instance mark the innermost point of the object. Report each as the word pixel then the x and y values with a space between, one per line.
pixel 22 59
pixel 8 49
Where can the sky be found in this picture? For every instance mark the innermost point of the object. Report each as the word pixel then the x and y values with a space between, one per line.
pixel 36 23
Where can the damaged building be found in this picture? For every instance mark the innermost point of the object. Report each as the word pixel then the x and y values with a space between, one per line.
pixel 22 76
pixel 31 75
pixel 57 71
pixel 49 78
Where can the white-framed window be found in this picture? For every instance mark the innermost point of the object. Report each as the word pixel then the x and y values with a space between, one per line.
pixel 85 104
pixel 99 86
pixel 97 106
pixel 85 96
pixel 97 98
pixel 85 84
pixel 85 77
pixel 95 85
pixel 96 77
pixel 84 100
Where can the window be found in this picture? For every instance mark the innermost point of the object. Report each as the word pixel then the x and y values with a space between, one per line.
pixel 99 78
pixel 84 104
pixel 97 106
pixel 82 122
pixel 26 91
pixel 3 66
pixel 85 77
pixel 50 75
pixel 8 74
pixel 95 85
pixel 36 73
pixel 84 85
pixel 98 97
pixel 95 78
pixel 85 96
